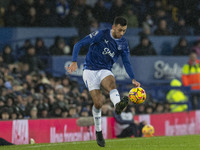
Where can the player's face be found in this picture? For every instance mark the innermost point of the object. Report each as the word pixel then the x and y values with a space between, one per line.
pixel 118 31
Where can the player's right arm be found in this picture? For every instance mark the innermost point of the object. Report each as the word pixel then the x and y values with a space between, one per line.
pixel 89 39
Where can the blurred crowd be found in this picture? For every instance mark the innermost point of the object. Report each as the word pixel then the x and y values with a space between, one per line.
pixel 36 94
pixel 28 91
pixel 163 17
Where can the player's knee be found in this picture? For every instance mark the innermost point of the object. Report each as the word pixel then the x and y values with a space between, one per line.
pixel 112 87
pixel 98 105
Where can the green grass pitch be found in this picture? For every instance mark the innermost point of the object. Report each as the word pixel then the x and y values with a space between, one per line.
pixel 189 142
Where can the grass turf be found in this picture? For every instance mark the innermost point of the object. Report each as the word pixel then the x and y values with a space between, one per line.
pixel 189 142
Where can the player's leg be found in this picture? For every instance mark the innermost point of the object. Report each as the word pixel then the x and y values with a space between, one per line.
pixel 92 82
pixel 108 83
pixel 96 111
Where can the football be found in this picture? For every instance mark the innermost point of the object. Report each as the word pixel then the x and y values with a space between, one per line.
pixel 148 130
pixel 137 95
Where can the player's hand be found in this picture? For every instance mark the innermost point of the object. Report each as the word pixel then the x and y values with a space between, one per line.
pixel 73 67
pixel 135 83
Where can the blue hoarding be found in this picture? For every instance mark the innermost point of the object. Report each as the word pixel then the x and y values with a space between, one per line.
pixel 157 69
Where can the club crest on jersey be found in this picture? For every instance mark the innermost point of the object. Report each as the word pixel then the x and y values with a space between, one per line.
pixel 107 51
pixel 119 47
pixel 93 34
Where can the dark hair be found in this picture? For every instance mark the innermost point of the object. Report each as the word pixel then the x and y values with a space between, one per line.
pixel 120 20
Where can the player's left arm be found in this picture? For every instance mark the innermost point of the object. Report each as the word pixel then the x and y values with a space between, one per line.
pixel 127 65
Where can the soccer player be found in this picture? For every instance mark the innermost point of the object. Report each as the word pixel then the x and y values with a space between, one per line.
pixel 105 46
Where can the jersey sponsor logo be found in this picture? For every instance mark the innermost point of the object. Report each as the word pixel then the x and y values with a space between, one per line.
pixel 93 34
pixel 106 41
pixel 107 51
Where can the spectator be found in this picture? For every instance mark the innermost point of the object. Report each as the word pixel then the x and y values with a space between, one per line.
pixel 73 18
pixel 84 112
pixel 5 113
pixel 181 48
pixel 35 64
pixel 149 109
pixel 197 27
pixel 34 113
pixel 49 18
pixel 65 113
pixel 143 48
pixel 99 11
pixel 148 21
pixel 2 102
pixel 180 28
pixel 162 28
pixel 94 25
pixel 82 13
pixel 156 6
pixel 56 111
pixel 159 108
pixel 139 10
pixel 172 11
pixel 117 9
pixel 21 51
pixel 2 13
pixel 24 7
pixel 12 17
pixel 167 107
pixel 188 9
pixel 146 31
pixel 43 110
pixel 73 112
pixel 9 81
pixel 85 18
pixel 40 6
pixel 131 17
pixel 14 114
pixel 40 48
pixel 191 77
pixel 4 3
pixel 62 8
pixel 161 14
pixel 177 96
pixel 8 58
pixel 140 109
pixel 196 47
pixel 9 101
pixel 126 126
pixel 66 85
pixel 58 47
pixel 31 20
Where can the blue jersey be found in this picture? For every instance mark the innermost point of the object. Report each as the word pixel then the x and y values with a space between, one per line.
pixel 103 51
